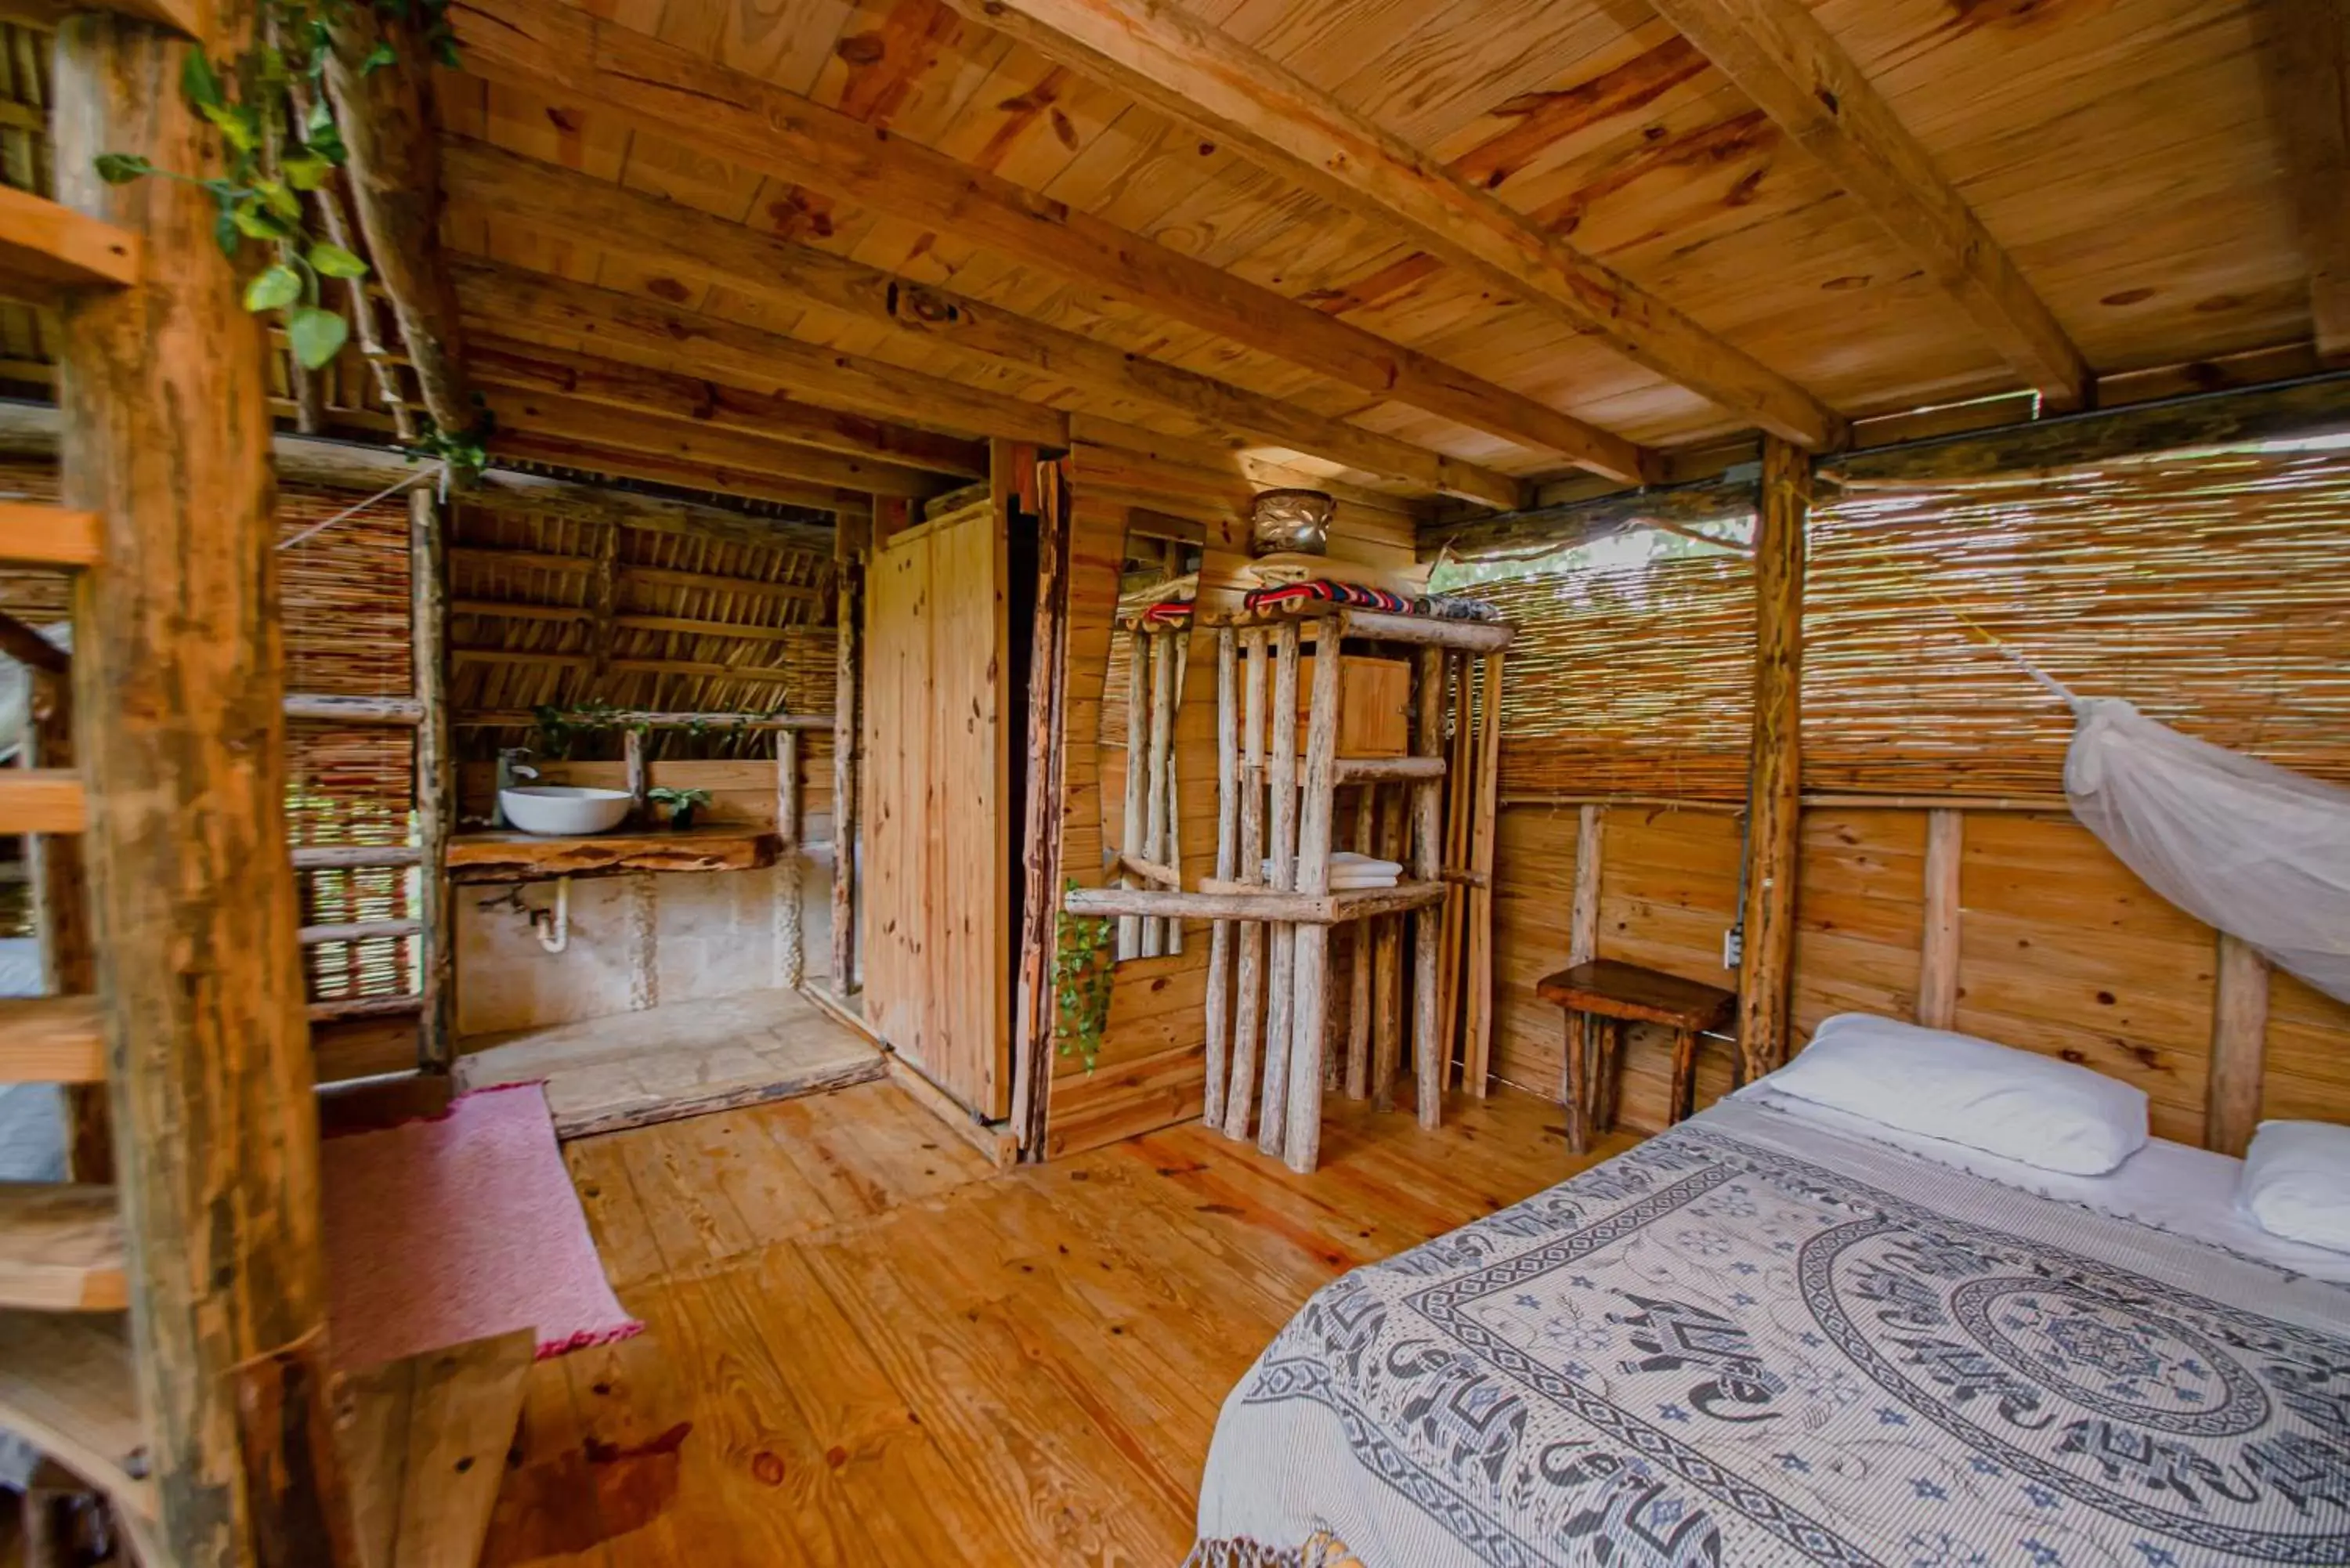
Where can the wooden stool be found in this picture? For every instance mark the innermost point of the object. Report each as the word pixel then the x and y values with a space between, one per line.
pixel 1601 996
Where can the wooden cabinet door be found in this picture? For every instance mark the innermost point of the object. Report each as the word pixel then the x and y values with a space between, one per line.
pixel 937 869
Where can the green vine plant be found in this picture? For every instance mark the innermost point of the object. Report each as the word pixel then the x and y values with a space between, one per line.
pixel 558 725
pixel 270 107
pixel 1083 974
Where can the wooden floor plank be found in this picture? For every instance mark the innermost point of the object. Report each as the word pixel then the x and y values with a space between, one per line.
pixel 865 1346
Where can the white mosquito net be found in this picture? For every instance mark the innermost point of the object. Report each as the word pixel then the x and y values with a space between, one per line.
pixel 2259 851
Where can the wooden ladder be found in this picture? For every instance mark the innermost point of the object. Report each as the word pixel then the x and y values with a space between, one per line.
pixel 66 1380
pixel 201 1413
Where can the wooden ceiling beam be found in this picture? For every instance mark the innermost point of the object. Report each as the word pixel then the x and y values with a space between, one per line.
pixel 524 367
pixel 1780 56
pixel 2308 76
pixel 666 237
pixel 384 111
pixel 1185 67
pixel 725 447
pixel 642 331
pixel 560 443
pixel 552 48
pixel 30 431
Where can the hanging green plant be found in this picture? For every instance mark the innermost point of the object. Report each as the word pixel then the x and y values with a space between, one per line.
pixel 1083 975
pixel 279 150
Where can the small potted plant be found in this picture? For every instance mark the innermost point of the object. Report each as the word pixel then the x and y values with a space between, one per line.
pixel 681 804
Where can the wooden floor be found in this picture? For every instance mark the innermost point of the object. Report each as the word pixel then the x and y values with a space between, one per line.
pixel 864 1346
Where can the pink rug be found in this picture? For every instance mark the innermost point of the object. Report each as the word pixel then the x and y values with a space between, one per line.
pixel 464 1225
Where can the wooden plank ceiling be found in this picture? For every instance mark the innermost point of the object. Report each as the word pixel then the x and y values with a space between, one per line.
pixel 1895 203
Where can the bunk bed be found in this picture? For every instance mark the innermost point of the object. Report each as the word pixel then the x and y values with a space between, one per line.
pixel 1781 1333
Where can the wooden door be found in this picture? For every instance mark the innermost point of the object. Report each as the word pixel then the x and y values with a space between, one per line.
pixel 938 850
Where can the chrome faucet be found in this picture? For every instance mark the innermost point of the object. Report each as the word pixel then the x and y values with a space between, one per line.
pixel 512 764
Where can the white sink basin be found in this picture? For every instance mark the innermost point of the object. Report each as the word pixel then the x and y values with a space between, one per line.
pixel 564 811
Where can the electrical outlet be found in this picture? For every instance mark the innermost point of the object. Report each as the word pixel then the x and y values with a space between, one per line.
pixel 1733 947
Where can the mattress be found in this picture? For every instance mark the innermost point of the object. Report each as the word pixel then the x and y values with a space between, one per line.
pixel 1764 1339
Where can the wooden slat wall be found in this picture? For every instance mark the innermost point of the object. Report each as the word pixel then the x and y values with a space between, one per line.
pixel 1150 1071
pixel 2062 950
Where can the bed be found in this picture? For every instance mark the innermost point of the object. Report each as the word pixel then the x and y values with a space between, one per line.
pixel 1780 1335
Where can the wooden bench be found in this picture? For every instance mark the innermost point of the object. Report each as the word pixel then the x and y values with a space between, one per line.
pixel 1600 997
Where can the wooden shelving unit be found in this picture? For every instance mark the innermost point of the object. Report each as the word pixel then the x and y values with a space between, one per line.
pixel 1268 980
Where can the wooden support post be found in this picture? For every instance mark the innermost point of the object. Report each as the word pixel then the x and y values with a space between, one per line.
pixel 1460 784
pixel 1227 825
pixel 179 674
pixel 1382 938
pixel 1040 865
pixel 1477 1050
pixel 1249 1009
pixel 637 774
pixel 1280 970
pixel 1937 960
pixel 1161 740
pixel 1427 861
pixel 436 778
pixel 1359 957
pixel 791 948
pixel 848 568
pixel 1302 1147
pixel 1582 947
pixel 2239 1022
pixel 1774 781
pixel 603 605
pixel 1133 931
pixel 1180 640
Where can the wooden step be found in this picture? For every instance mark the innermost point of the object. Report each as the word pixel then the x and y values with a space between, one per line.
pixel 51 1040
pixel 425 1447
pixel 42 800
pixel 34 534
pixel 46 247
pixel 60 1248
pixel 179 16
pixel 66 1387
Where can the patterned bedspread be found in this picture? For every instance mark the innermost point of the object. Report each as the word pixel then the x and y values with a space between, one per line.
pixel 1752 1341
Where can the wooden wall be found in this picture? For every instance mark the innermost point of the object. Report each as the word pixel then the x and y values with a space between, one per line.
pixel 1150 1072
pixel 2061 950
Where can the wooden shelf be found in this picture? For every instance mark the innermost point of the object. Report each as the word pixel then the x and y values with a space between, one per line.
pixel 60 1248
pixel 1380 626
pixel 51 1040
pixel 529 857
pixel 1387 770
pixel 45 247
pixel 1258 904
pixel 66 1387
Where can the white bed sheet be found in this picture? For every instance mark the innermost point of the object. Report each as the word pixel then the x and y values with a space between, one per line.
pixel 2167 1186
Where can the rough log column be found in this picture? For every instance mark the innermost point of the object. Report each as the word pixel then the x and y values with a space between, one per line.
pixel 1776 780
pixel 848 571
pixel 436 776
pixel 178 678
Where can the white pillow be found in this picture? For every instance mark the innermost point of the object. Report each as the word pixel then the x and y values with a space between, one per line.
pixel 2026 1107
pixel 2297 1182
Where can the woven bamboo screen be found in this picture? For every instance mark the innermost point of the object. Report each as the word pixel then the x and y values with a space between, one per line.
pixel 2212 590
pixel 348 635
pixel 345 592
pixel 1629 675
